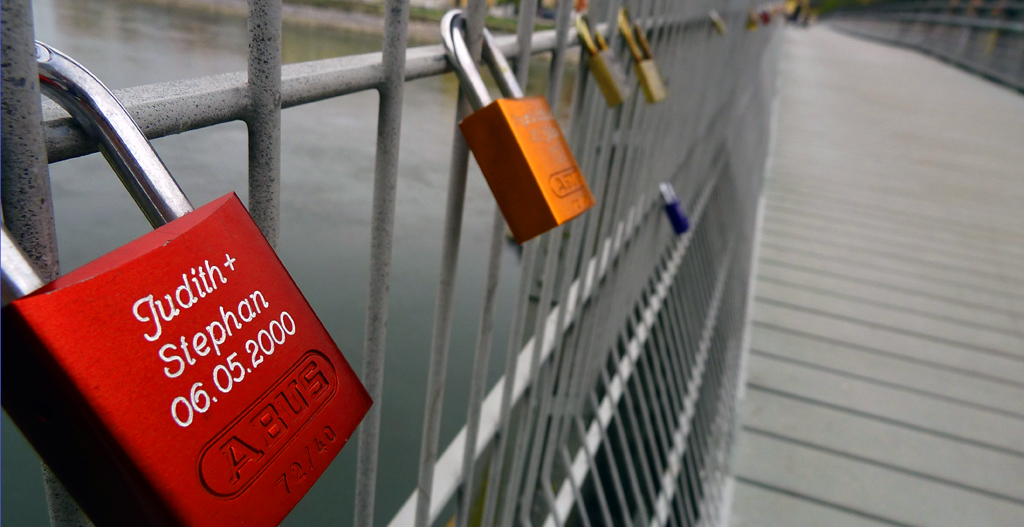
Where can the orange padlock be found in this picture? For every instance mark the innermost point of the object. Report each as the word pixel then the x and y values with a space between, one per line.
pixel 517 143
pixel 182 379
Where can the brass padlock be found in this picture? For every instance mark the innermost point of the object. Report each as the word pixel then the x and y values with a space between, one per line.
pixel 752 20
pixel 717 21
pixel 602 63
pixel 517 142
pixel 646 69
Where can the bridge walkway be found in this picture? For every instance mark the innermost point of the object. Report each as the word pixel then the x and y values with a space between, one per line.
pixel 886 368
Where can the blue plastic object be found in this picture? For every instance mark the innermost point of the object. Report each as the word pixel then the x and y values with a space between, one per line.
pixel 674 210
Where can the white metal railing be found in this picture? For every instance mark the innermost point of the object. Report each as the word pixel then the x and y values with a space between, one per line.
pixel 616 402
pixel 986 37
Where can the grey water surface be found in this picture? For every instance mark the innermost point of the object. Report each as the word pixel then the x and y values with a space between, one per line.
pixel 326 188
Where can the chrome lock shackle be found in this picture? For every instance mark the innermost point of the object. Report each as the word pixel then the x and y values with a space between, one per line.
pixel 101 115
pixel 121 141
pixel 453 27
pixel 668 193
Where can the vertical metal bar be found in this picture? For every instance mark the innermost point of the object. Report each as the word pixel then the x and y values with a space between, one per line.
pixel 613 468
pixel 446 288
pixel 536 395
pixel 621 197
pixel 719 271
pixel 566 361
pixel 529 258
pixel 589 106
pixel 25 179
pixel 443 311
pixel 693 384
pixel 519 451
pixel 645 427
pixel 613 142
pixel 547 424
pixel 481 361
pixel 608 301
pixel 524 37
pixel 631 471
pixel 668 385
pixel 264 116
pixel 637 437
pixel 696 329
pixel 707 282
pixel 562 21
pixel 672 346
pixel 663 426
pixel 598 316
pixel 64 512
pixel 527 15
pixel 389 127
pixel 27 200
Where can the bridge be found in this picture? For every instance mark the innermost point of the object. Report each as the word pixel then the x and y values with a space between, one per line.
pixel 837 339
pixel 887 336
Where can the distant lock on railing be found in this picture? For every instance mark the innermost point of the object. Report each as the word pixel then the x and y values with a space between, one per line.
pixel 182 379
pixel 607 71
pixel 643 59
pixel 717 22
pixel 752 19
pixel 517 142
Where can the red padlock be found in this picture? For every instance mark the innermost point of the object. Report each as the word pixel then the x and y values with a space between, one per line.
pixel 182 379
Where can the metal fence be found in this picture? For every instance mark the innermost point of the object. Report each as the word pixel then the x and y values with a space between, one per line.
pixel 617 399
pixel 985 37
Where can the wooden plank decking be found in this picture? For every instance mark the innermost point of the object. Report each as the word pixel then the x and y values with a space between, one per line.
pixel 886 370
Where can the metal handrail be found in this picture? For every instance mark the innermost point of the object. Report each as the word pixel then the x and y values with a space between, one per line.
pixel 985 38
pixel 174 107
pixel 944 19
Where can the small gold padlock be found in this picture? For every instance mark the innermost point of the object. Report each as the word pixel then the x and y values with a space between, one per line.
pixel 646 69
pixel 752 20
pixel 516 141
pixel 717 21
pixel 607 71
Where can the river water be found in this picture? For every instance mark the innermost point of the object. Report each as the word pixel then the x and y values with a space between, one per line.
pixel 326 189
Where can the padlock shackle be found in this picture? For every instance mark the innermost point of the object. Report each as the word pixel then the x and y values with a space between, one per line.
pixel 473 86
pixel 583 30
pixel 627 33
pixel 453 35
pixel 19 275
pixel 121 140
pixel 641 38
pixel 500 69
pixel 668 193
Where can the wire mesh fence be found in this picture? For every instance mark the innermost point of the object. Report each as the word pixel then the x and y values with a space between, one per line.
pixel 616 402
